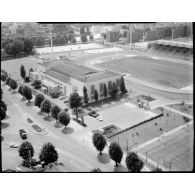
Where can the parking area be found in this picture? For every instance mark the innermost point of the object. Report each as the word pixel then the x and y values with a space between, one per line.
pixel 123 115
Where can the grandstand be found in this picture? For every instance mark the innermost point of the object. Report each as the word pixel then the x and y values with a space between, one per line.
pixel 182 47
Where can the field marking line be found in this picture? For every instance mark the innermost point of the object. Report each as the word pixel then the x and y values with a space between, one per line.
pixel 163 136
pixel 178 112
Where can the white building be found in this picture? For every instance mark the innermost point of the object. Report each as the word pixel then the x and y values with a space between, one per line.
pixel 69 77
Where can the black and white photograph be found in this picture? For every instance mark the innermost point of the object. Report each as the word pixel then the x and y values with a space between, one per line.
pixel 97 97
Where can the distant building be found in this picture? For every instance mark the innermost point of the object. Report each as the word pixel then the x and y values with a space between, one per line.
pixel 67 76
pixel 112 36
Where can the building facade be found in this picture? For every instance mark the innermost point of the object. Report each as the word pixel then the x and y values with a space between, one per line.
pixel 68 77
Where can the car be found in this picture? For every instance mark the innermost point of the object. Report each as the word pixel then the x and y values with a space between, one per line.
pixel 93 114
pixel 126 74
pixel 66 100
pixel 2 138
pixel 13 145
pixel 22 134
pixel 99 118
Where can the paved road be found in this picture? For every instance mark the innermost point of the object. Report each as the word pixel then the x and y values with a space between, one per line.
pixel 73 148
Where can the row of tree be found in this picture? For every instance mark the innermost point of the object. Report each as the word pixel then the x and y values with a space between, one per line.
pixel 133 163
pixel 46 106
pixel 112 91
pixel 47 155
pixel 14 47
pixel 3 107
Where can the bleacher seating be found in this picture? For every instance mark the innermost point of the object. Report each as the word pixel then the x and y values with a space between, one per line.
pixel 171 50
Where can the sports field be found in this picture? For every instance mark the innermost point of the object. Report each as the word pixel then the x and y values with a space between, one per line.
pixel 154 70
pixel 174 152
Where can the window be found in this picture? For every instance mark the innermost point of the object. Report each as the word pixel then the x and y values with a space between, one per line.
pixel 92 91
pixel 101 89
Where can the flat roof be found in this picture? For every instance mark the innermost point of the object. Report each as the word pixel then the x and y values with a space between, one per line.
pixel 68 67
pixel 64 69
pixel 58 76
pixel 98 76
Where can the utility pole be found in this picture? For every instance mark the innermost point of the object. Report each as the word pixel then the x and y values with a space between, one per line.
pixel 130 35
pixel 51 42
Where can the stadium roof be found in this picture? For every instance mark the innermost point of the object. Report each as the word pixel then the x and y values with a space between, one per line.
pixel 175 43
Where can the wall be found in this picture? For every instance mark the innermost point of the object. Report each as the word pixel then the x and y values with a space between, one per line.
pixel 97 87
pixel 78 84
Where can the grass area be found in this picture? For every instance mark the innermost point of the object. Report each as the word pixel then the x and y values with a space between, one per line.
pixel 13 66
pixel 174 152
pixel 145 132
pixel 159 71
pixel 186 108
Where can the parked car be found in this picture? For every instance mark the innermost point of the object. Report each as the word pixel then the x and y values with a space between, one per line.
pixel 12 145
pixel 93 114
pixel 22 134
pixel 2 138
pixel 99 118
pixel 126 74
pixel 66 100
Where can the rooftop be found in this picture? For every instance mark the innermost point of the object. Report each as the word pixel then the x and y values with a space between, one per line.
pixel 69 68
pixel 64 69
pixel 97 76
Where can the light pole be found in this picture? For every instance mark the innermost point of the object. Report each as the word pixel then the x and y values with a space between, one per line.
pixel 51 40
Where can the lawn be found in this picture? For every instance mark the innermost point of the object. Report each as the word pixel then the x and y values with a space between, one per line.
pixel 186 108
pixel 159 71
pixel 174 152
pixel 13 66
pixel 145 132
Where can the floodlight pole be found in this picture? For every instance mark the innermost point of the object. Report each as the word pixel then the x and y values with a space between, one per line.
pixel 51 43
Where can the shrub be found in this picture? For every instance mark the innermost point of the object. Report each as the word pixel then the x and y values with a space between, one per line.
pixel 55 94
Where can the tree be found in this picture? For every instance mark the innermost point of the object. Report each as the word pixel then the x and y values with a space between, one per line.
pixel 96 170
pixel 110 87
pixel 96 95
pixel 99 141
pixel 156 170
pixel 39 99
pixel 3 77
pixel 20 90
pixel 73 40
pixel 122 86
pixel 26 150
pixel 83 38
pixel 64 118
pixel 7 80
pixel 105 91
pixel 13 84
pixel 85 95
pixel 55 110
pixel 46 106
pixel 114 90
pixel 2 114
pixel 75 101
pixel 28 45
pixel 3 105
pixel 37 84
pixel 27 93
pixel 22 72
pixel 115 152
pixel 133 163
pixel 91 37
pixel 48 154
pixel 82 30
pixel 40 41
